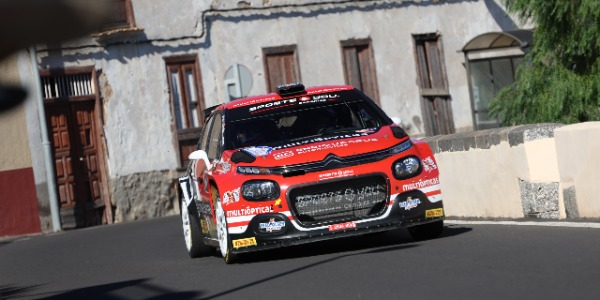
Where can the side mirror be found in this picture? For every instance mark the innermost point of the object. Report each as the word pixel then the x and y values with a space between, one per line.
pixel 200 155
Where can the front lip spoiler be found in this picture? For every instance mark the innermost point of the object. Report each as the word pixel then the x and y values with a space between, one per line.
pixel 320 236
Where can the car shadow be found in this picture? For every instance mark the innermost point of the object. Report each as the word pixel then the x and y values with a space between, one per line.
pixel 374 242
pixel 10 291
pixel 451 230
pixel 130 289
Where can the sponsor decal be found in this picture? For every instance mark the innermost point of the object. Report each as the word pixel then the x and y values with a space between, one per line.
pixel 247 242
pixel 282 155
pixel 429 164
pixel 272 105
pixel 410 203
pixel 357 141
pixel 258 150
pixel 320 147
pixel 254 101
pixel 318 98
pixel 336 174
pixel 341 226
pixel 232 196
pixel 277 203
pixel 249 211
pixel 341 200
pixel 325 90
pixel 272 225
pixel 204 226
pixel 434 213
pixel 420 184
pixel 329 138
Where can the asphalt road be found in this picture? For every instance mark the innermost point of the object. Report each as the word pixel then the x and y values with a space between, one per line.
pixel 147 260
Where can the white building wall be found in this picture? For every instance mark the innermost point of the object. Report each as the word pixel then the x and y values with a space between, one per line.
pixel 317 32
pixel 136 100
pixel 133 83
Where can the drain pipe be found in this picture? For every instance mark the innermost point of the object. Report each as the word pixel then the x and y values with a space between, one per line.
pixel 48 159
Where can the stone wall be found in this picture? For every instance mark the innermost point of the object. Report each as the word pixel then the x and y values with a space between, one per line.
pixel 144 195
pixel 542 171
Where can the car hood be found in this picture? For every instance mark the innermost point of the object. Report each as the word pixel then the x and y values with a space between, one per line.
pixel 318 148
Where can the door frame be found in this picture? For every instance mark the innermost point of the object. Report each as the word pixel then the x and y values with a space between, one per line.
pixel 98 135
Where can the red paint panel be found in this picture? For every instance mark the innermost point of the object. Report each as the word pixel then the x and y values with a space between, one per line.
pixel 19 212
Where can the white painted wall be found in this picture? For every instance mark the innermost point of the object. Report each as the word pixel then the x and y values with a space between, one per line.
pixel 578 150
pixel 481 183
pixel 136 107
pixel 484 183
pixel 390 27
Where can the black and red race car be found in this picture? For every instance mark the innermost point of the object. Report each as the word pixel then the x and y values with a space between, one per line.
pixel 304 165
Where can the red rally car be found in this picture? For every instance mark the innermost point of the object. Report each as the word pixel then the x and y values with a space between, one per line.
pixel 304 165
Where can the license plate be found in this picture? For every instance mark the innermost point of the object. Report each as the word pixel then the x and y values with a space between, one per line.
pixel 342 226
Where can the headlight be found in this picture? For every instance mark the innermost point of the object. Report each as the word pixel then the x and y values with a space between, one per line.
pixel 406 167
pixel 260 190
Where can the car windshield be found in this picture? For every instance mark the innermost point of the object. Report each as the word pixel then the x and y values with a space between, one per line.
pixel 302 120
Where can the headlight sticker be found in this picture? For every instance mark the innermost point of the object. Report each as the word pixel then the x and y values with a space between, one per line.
pixel 232 196
pixel 428 164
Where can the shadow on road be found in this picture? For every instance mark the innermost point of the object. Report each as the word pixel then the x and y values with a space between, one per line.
pixel 453 230
pixel 359 245
pixel 382 240
pixel 282 274
pixel 124 290
pixel 13 291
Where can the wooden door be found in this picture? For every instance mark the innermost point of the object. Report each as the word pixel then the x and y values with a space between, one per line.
pixel 281 66
pixel 435 96
pixel 74 142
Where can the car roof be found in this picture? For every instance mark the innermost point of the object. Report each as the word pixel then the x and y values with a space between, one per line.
pixel 274 96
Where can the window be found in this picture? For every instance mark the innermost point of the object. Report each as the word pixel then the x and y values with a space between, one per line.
pixel 214 148
pixel 492 59
pixel 121 15
pixel 187 103
pixel 281 66
pixel 203 142
pixel 347 112
pixel 435 98
pixel 487 78
pixel 359 67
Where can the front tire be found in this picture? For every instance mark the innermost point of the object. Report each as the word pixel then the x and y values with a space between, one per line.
pixel 426 231
pixel 192 233
pixel 223 235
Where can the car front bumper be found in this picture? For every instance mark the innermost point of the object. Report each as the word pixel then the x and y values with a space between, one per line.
pixel 274 230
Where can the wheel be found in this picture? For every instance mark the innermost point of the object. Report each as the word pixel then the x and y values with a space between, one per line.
pixel 426 231
pixel 192 233
pixel 222 234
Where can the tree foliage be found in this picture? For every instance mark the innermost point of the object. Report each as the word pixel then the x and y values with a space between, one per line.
pixel 561 80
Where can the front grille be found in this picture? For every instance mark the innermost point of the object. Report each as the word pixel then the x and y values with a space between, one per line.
pixel 337 201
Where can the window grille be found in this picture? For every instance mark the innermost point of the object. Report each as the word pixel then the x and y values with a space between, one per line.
pixel 65 86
